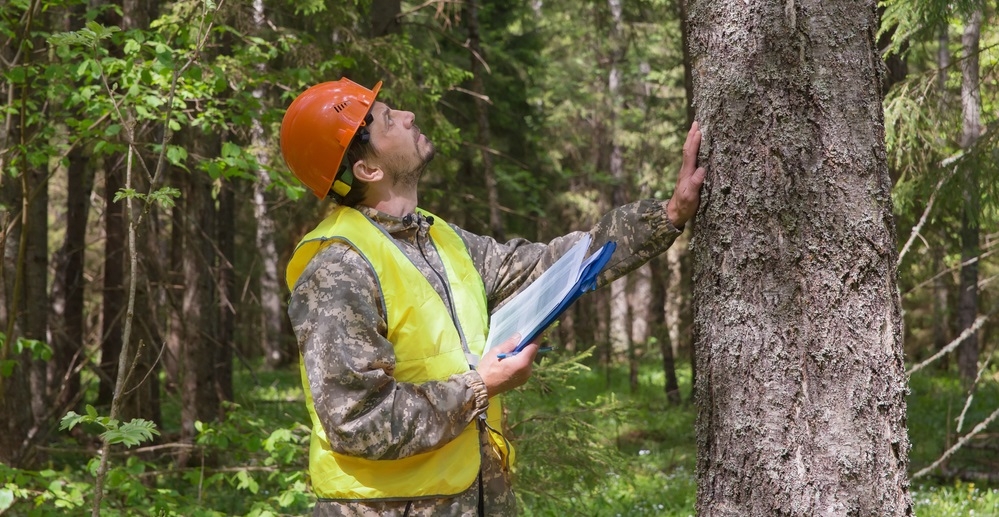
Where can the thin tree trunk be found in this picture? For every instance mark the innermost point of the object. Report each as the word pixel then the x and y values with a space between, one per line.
pixel 67 323
pixel 971 112
pixel 36 307
pixel 640 308
pixel 15 392
pixel 484 134
pixel 941 334
pixel 222 364
pixel 941 306
pixel 384 17
pixel 673 301
pixel 198 382
pixel 113 299
pixel 801 383
pixel 275 354
pixel 661 330
pixel 622 345
pixel 172 365
pixel 943 58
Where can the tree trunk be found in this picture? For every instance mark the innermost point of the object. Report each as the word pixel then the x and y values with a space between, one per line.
pixel 661 330
pixel 113 306
pixel 36 292
pixel 801 383
pixel 483 135
pixel 943 58
pixel 174 341
pixel 622 346
pixel 941 309
pixel 199 382
pixel 275 354
pixel 640 303
pixel 673 313
pixel 15 369
pixel 385 17
pixel 226 279
pixel 971 111
pixel 67 322
pixel 15 392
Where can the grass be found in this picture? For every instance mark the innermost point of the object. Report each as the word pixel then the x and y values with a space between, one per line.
pixel 586 445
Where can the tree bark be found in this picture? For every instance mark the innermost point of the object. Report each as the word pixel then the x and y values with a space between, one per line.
pixel 971 113
pixel 801 384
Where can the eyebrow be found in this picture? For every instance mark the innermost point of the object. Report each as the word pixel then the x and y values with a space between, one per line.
pixel 385 114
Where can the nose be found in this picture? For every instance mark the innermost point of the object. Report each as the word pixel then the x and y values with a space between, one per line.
pixel 408 118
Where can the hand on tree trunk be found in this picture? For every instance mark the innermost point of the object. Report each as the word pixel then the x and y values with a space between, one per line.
pixel 687 194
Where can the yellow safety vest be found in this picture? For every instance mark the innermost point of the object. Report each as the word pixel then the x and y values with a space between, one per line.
pixel 427 347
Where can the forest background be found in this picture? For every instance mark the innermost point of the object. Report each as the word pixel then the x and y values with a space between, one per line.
pixel 147 365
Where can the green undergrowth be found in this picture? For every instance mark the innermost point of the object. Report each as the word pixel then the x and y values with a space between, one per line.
pixel 586 445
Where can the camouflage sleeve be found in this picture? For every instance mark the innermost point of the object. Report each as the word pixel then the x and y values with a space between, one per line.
pixel 338 317
pixel 641 229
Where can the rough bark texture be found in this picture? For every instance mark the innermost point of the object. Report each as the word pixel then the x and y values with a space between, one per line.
pixel 801 386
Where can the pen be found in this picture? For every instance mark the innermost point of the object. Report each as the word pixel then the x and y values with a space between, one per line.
pixel 511 354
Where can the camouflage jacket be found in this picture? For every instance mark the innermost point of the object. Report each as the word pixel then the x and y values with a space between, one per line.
pixel 336 312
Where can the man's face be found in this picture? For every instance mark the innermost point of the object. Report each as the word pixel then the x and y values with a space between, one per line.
pixel 401 150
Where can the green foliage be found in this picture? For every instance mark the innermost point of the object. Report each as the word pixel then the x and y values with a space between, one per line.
pixel 40 351
pixel 588 448
pixel 130 433
pixel 164 197
pixel 251 464
pixel 914 19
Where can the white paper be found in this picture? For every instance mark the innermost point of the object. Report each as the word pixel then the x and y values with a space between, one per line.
pixel 531 306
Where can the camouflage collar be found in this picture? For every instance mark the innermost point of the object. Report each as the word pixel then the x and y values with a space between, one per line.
pixel 395 225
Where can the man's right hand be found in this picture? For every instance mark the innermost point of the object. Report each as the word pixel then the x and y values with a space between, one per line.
pixel 502 375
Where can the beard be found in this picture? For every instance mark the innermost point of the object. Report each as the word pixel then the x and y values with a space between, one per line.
pixel 410 177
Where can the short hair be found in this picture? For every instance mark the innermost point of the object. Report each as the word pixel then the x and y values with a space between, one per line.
pixel 360 148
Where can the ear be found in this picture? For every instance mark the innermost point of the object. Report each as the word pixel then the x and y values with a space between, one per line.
pixel 367 173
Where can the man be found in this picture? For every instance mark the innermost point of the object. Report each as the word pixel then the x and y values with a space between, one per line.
pixel 390 307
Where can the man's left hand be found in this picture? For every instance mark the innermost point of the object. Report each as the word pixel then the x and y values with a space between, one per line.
pixel 687 194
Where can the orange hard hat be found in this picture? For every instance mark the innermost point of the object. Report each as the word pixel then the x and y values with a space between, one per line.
pixel 317 128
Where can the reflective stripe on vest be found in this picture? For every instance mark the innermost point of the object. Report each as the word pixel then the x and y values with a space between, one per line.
pixel 427 347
